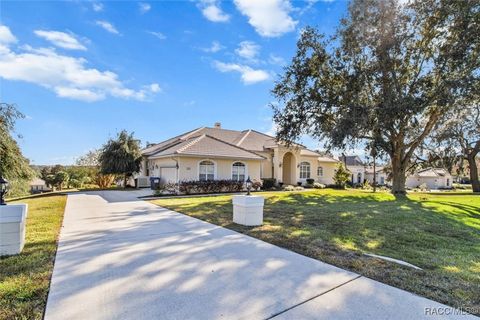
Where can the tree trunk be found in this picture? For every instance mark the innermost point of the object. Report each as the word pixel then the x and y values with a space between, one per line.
pixel 399 177
pixel 125 180
pixel 473 173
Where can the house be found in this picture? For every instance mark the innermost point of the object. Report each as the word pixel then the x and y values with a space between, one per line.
pixel 208 153
pixel 433 178
pixel 356 166
pixel 380 175
pixel 38 185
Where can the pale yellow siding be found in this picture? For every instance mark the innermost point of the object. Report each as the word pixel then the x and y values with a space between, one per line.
pixel 328 170
pixel 188 168
pixel 266 165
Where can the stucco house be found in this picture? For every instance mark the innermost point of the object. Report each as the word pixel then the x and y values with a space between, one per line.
pixel 380 175
pixel 356 166
pixel 38 185
pixel 433 178
pixel 208 153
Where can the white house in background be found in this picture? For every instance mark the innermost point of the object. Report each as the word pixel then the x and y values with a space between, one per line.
pixel 362 172
pixel 381 175
pixel 215 153
pixel 38 185
pixel 356 166
pixel 433 178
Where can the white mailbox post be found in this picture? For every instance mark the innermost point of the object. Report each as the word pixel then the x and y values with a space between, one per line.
pixel 248 210
pixel 12 228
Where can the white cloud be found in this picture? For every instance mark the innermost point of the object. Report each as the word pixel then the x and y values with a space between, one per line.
pixel 248 50
pixel 97 7
pixel 215 47
pixel 144 7
pixel 248 74
pixel 270 18
pixel 274 59
pixel 107 26
pixel 6 35
pixel 68 77
pixel 155 88
pixel 212 11
pixel 79 94
pixel 159 35
pixel 60 39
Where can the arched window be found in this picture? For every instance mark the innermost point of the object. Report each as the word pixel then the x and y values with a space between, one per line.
pixel 238 171
pixel 206 170
pixel 304 170
pixel 320 171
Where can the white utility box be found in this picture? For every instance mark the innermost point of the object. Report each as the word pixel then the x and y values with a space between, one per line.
pixel 12 228
pixel 248 210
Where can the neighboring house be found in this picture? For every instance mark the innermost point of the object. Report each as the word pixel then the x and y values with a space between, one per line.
pixel 38 185
pixel 356 166
pixel 381 175
pixel 433 178
pixel 215 153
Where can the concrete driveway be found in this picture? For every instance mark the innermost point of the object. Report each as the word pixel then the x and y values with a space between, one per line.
pixel 123 258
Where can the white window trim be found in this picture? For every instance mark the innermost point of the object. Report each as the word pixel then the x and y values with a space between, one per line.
pixel 246 170
pixel 214 168
pixel 322 171
pixel 300 170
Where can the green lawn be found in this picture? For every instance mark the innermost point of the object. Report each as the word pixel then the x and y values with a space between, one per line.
pixel 437 232
pixel 25 278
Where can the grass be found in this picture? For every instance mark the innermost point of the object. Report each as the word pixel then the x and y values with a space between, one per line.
pixel 440 233
pixel 25 278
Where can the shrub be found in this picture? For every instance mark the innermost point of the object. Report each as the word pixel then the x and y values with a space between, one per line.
pixel 310 181
pixel 299 183
pixel 268 183
pixel 210 186
pixel 298 188
pixel 423 187
pixel 317 185
pixel 342 176
pixel 366 185
pixel 289 188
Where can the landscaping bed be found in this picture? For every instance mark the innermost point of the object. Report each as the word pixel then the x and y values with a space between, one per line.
pixel 439 233
pixel 25 278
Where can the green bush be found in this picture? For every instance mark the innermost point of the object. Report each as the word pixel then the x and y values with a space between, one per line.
pixel 341 177
pixel 268 183
pixel 210 186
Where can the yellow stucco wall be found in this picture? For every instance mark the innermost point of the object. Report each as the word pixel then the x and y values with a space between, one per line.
pixel 256 169
pixel 188 168
pixel 328 170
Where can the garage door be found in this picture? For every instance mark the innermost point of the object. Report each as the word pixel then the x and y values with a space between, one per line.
pixel 168 175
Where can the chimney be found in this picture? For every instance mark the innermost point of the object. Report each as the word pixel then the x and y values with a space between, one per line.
pixel 217 125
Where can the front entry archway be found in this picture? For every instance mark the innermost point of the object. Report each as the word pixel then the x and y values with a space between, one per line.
pixel 288 168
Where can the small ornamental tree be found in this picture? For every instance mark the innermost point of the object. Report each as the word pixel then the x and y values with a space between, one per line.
pixel 342 176
pixel 61 179
pixel 121 156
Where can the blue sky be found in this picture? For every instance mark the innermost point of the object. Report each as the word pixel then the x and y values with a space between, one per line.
pixel 81 71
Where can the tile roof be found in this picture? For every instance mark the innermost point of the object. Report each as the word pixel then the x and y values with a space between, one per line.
pixel 206 145
pixel 352 160
pixel 249 141
pixel 432 172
